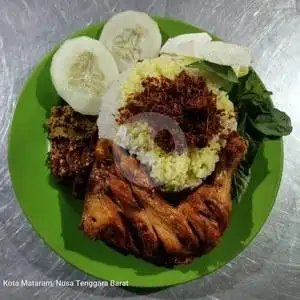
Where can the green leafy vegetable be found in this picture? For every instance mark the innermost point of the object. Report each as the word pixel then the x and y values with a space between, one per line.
pixel 257 119
pixel 225 72
pixel 224 76
pixel 242 177
pixel 276 123
pixel 253 104
pixel 251 97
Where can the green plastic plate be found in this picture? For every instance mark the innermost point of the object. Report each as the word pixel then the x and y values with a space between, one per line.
pixel 55 215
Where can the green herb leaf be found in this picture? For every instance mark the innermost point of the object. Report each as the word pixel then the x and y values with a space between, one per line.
pixel 254 104
pixel 257 119
pixel 254 84
pixel 251 98
pixel 242 177
pixel 254 142
pixel 225 72
pixel 222 75
pixel 276 123
pixel 250 84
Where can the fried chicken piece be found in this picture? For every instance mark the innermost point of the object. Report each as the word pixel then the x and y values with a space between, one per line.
pixel 208 209
pixel 135 218
pixel 128 167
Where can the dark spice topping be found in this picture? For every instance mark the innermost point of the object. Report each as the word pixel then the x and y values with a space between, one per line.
pixel 186 99
pixel 64 122
pixel 165 140
pixel 73 140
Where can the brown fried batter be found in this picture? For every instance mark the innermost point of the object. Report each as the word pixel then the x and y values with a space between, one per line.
pixel 64 122
pixel 73 139
pixel 135 218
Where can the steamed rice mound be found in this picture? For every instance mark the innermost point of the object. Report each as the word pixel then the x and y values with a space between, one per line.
pixel 172 171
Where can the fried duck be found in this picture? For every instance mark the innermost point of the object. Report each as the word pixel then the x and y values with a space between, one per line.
pixel 123 209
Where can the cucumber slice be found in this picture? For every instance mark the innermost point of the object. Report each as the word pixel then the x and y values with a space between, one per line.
pixel 225 54
pixel 201 46
pixel 131 36
pixel 82 70
pixel 186 44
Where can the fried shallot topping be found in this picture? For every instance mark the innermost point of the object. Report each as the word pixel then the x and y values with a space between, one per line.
pixel 186 100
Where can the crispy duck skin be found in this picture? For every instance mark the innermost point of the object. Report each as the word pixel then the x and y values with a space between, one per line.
pixel 130 215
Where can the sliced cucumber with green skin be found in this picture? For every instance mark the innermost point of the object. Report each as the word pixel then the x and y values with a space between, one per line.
pixel 131 36
pixel 82 70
